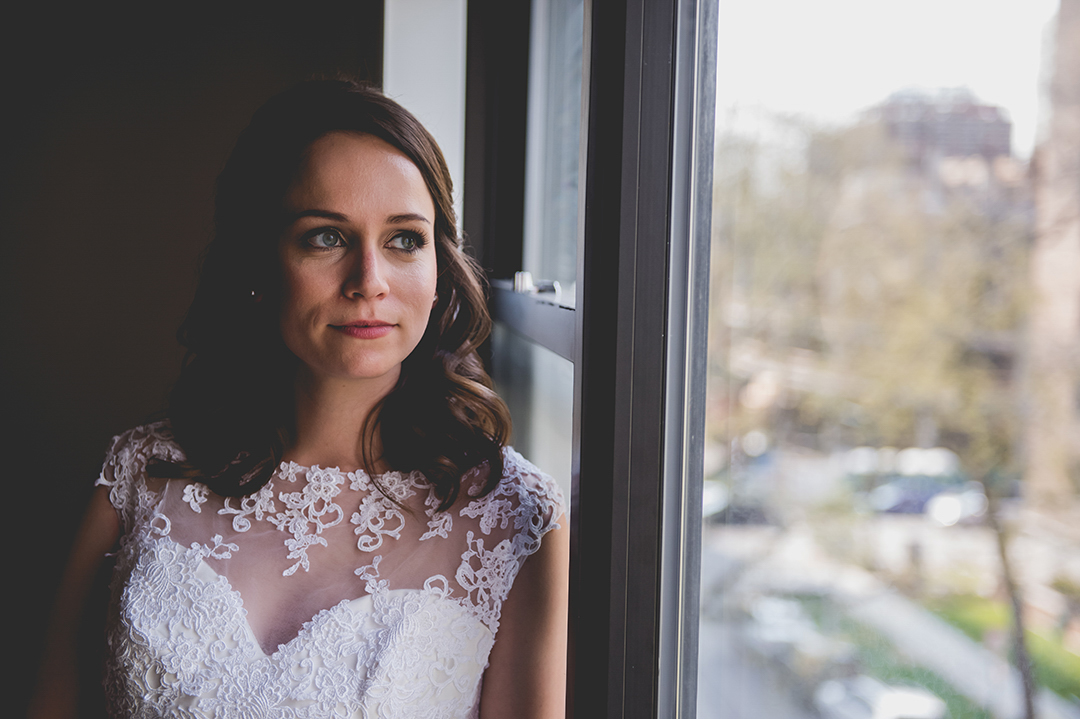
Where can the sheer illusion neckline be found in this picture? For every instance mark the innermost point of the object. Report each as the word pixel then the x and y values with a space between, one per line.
pixel 288 469
pixel 305 502
pixel 361 604
pixel 294 466
pixel 395 614
pixel 306 629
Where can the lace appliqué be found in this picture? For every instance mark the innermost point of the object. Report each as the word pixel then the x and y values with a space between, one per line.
pixel 492 513
pixel 180 642
pixel 309 512
pixel 195 495
pixel 440 524
pixel 420 641
pixel 488 580
pixel 521 499
pixel 370 574
pixel 306 514
pixel 220 550
pixel 377 518
pixel 261 504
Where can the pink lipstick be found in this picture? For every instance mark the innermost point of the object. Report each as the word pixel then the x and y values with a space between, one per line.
pixel 365 330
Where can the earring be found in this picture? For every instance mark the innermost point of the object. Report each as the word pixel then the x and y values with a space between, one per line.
pixel 436 300
pixel 255 296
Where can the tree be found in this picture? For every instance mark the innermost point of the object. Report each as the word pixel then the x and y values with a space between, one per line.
pixel 865 298
pixel 888 304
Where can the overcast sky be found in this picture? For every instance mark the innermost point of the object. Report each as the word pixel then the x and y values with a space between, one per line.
pixel 829 59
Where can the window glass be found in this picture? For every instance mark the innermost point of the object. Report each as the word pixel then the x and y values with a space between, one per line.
pixel 554 125
pixel 891 466
pixel 538 386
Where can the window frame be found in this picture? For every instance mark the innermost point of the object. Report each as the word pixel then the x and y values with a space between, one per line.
pixel 638 430
pixel 637 337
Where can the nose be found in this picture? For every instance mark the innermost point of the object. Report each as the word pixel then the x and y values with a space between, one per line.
pixel 367 276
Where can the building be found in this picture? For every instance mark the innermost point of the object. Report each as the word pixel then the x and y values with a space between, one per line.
pixel 946 123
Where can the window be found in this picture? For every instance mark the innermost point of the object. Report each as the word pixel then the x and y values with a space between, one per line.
pixel 890 430
pixel 632 330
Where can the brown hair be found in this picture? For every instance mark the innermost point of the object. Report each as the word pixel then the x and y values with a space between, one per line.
pixel 231 409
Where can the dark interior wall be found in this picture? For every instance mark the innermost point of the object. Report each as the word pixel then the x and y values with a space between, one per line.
pixel 118 120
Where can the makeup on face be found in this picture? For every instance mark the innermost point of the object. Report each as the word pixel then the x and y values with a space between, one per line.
pixel 358 260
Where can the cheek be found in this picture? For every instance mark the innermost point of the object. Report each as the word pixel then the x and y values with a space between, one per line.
pixel 292 298
pixel 300 300
pixel 419 283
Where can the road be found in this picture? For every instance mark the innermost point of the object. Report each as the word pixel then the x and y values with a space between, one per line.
pixel 744 562
pixel 732 684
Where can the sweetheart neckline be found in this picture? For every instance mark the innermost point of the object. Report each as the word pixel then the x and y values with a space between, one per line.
pixel 310 625
pixel 307 627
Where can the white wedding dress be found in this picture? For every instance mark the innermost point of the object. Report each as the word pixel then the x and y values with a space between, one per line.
pixel 317 596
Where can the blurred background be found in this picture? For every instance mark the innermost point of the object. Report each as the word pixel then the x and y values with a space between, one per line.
pixel 893 457
pixel 119 117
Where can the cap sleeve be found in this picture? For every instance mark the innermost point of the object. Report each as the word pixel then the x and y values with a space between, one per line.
pixel 540 501
pixel 501 529
pixel 124 468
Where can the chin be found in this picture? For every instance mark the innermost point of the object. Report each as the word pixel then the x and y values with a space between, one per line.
pixel 367 372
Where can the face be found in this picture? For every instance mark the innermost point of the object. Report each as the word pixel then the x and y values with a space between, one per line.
pixel 357 259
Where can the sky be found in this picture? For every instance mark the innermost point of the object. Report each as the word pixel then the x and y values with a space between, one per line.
pixel 830 59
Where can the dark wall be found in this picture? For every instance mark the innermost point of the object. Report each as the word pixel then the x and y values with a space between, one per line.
pixel 118 120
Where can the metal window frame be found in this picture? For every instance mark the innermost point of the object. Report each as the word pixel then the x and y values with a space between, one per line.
pixel 545 322
pixel 688 329
pixel 640 358
pixel 637 338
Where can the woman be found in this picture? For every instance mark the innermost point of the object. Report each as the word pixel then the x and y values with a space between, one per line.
pixel 329 523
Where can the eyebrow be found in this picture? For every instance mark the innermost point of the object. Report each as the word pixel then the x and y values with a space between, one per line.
pixel 326 214
pixel 338 217
pixel 407 217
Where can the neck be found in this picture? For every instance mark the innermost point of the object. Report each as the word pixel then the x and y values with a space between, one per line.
pixel 331 415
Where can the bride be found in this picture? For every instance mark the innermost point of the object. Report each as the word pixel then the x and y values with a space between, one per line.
pixel 329 522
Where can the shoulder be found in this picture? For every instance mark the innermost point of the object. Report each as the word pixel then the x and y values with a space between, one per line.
pixel 124 468
pixel 131 450
pixel 524 506
pixel 532 485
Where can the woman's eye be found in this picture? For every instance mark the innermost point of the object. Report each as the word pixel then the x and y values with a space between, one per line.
pixel 326 239
pixel 407 241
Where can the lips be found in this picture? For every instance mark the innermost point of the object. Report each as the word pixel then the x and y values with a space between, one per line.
pixel 365 329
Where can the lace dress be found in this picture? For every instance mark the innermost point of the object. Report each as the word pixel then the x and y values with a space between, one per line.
pixel 314 597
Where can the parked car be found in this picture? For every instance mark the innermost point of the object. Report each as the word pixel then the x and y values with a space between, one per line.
pixel 908 494
pixel 962 505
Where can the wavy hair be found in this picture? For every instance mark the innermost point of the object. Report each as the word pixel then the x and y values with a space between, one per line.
pixel 232 408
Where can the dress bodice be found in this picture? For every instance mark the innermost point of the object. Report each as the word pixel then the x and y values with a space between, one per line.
pixel 323 594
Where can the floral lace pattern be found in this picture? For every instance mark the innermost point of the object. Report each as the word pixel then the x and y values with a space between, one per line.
pixel 179 635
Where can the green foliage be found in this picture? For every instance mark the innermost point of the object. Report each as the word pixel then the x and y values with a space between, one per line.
pixel 1067 587
pixel 878 658
pixel 874 299
pixel 1055 667
pixel 972 614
